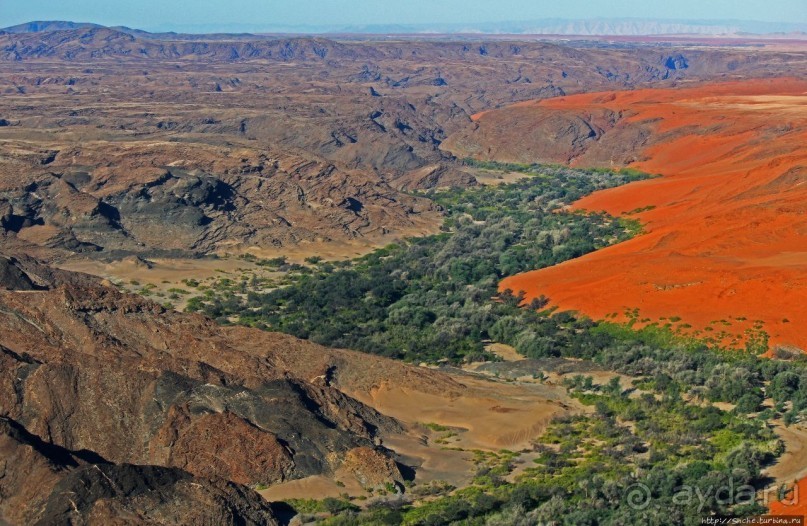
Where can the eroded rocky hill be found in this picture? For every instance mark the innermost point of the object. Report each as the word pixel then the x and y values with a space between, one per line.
pixel 116 406
pixel 192 198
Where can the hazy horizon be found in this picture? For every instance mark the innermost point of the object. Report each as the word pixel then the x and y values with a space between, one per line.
pixel 307 15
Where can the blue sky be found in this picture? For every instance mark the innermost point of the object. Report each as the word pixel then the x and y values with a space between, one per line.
pixel 165 14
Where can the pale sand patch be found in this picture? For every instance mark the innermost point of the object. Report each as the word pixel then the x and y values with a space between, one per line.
pixel 173 270
pixel 505 352
pixel 793 464
pixel 342 250
pixel 493 177
pixel 329 251
pixel 38 234
pixel 432 462
pixel 494 415
pixel 314 487
pixel 724 406
pixel 165 274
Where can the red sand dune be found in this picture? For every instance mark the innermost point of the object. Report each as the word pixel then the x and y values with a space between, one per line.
pixel 728 234
pixel 795 503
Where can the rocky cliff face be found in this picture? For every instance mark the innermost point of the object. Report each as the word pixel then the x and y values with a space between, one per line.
pixel 117 406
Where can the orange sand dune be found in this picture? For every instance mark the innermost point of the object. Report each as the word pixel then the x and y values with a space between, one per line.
pixel 728 234
pixel 795 503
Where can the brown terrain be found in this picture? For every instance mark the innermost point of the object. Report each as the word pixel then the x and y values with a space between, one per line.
pixel 725 230
pixel 115 143
pixel 114 380
pixel 116 146
pixel 123 408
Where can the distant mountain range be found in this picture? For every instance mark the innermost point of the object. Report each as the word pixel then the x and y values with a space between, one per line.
pixel 41 26
pixel 58 25
pixel 617 27
pixel 591 27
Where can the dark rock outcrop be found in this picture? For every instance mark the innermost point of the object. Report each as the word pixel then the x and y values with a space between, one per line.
pixel 45 484
pixel 12 277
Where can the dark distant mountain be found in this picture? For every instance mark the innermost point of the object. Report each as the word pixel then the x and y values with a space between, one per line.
pixel 53 25
pixel 126 44
pixel 58 25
